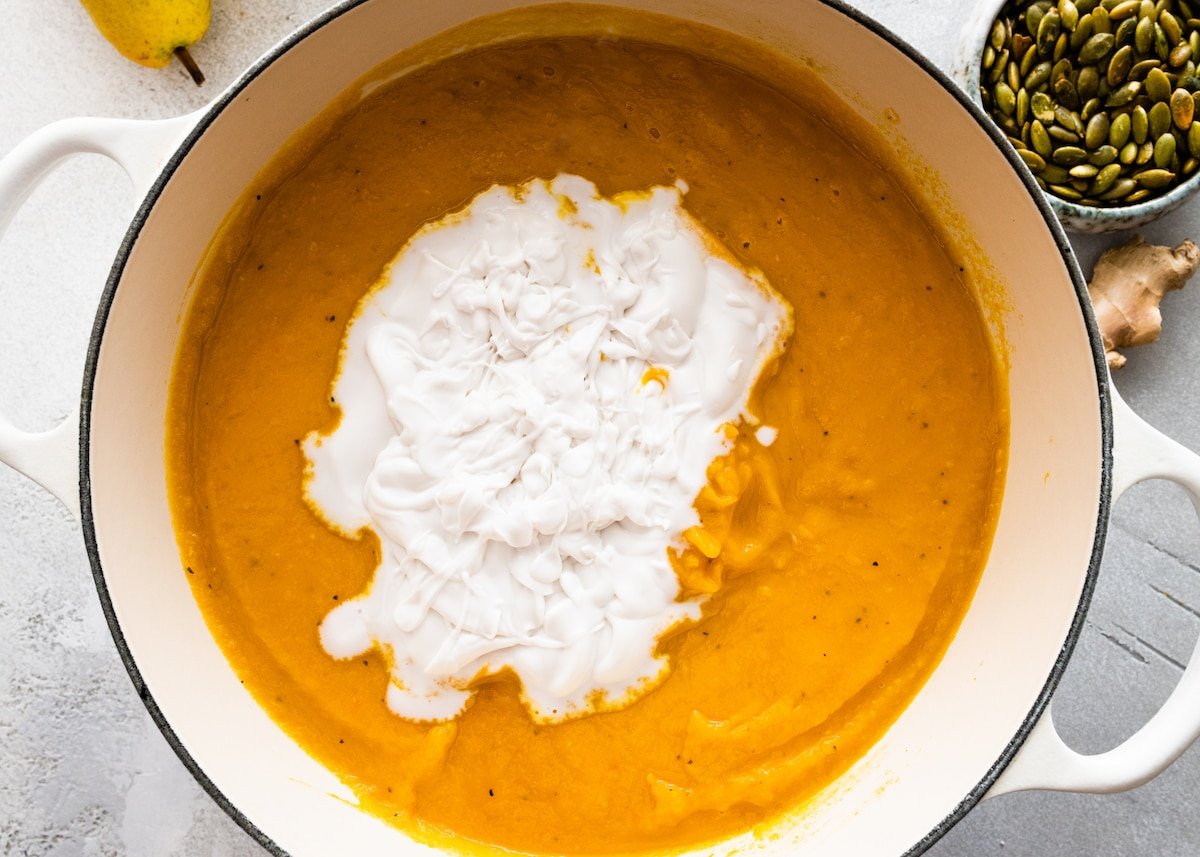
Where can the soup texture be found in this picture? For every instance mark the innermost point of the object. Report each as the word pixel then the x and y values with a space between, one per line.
pixel 832 563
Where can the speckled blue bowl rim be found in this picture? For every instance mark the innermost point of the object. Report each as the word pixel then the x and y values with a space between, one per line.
pixel 1103 402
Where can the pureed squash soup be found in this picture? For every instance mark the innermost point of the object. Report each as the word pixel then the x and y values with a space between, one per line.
pixel 674 503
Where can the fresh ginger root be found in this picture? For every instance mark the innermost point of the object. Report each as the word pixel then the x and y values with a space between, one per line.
pixel 1127 285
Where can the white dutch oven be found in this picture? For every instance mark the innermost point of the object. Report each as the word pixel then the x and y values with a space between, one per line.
pixel 981 726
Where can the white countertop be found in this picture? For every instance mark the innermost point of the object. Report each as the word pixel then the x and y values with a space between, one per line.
pixel 84 771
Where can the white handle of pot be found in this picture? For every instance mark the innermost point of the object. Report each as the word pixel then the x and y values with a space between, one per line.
pixel 1045 761
pixel 141 149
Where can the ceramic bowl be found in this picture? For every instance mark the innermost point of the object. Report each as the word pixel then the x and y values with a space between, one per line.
pixel 1077 218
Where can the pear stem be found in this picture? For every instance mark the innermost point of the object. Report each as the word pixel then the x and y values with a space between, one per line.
pixel 190 64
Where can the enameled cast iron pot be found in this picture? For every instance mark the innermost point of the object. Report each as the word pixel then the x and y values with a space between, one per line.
pixel 980 727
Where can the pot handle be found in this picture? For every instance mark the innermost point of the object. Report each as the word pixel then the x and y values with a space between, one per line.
pixel 1140 452
pixel 141 149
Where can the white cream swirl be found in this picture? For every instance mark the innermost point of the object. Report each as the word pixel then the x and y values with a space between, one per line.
pixel 504 435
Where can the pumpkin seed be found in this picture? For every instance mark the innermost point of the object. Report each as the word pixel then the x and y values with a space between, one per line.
pixel 1123 10
pixel 1038 75
pixel 998 67
pixel 1193 140
pixel 1101 20
pixel 1124 94
pixel 1146 9
pixel 1159 121
pixel 1183 108
pixel 1033 160
pixel 1105 179
pixel 1069 13
pixel 1042 106
pixel 1118 130
pixel 1154 178
pixel 1137 196
pixel 1119 66
pixel 1090 109
pixel 1120 188
pixel 1139 124
pixel 1171 28
pixel 1141 69
pixel 1157 85
pixel 1189 166
pixel 1033 18
pixel 1161 47
pixel 1040 140
pixel 1066 192
pixel 1022 106
pixel 1055 174
pixel 1145 153
pixel 1027 61
pixel 1014 76
pixel 1128 153
pixel 1125 31
pixel 1143 36
pixel 1164 151
pixel 1066 93
pixel 1083 171
pixel 997 37
pixel 1097 131
pixel 1069 156
pixel 1006 99
pixel 1082 32
pixel 1179 55
pixel 1062 135
pixel 1103 156
pixel 1068 119
pixel 1096 47
pixel 1047 32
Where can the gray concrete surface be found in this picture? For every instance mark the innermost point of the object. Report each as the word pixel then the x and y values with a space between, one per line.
pixel 83 771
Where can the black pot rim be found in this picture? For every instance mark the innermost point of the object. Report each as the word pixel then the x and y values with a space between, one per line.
pixel 976 794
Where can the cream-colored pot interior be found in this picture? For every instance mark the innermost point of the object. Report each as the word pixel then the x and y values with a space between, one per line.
pixel 960 725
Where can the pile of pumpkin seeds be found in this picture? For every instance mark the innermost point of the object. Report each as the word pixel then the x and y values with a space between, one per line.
pixel 1099 97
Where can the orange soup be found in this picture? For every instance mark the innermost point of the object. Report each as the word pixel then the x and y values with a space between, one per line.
pixel 831 564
